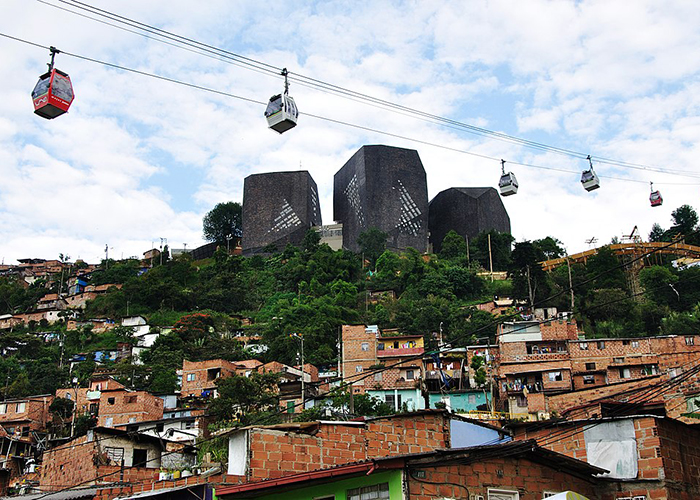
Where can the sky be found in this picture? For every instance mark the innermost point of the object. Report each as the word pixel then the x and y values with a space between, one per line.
pixel 138 159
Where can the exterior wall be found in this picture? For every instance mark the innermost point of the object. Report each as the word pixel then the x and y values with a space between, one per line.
pixel 460 402
pixel 390 436
pixel 82 397
pixel 383 187
pixel 468 211
pixel 412 398
pixel 77 464
pixel 123 406
pixel 528 478
pixel 34 414
pixel 199 370
pixel 359 354
pixel 278 208
pixel 339 489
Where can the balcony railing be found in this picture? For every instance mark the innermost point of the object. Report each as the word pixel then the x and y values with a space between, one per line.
pixel 405 351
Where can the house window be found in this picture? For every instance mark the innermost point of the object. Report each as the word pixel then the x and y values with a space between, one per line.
pixel 693 404
pixel 394 402
pixel 625 373
pixel 380 346
pixel 377 491
pixel 109 422
pixel 618 360
pixel 378 376
pixel 635 343
pixel 358 369
pixel 159 427
pixel 601 344
pixel 139 458
pixel 115 455
pixel 521 401
pixel 110 401
pixel 93 408
pixel 690 341
pixel 590 366
pixel 3 408
pixel 409 374
pixel 649 370
pixel 21 407
pixel 191 377
pixel 588 379
pixel 503 495
pixel 68 396
pixel 555 376
pixel 132 420
pixel 130 399
pixel 188 424
pixel 583 346
pixel 365 346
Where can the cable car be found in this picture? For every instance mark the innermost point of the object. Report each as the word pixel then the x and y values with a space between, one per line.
pixel 589 179
pixel 282 112
pixel 655 197
pixel 508 184
pixel 53 93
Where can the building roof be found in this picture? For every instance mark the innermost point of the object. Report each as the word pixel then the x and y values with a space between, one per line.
pixel 59 495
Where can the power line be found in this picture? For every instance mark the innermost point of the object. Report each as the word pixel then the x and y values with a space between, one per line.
pixel 251 63
pixel 319 117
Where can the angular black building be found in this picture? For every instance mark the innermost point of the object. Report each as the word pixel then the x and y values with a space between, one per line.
pixel 383 187
pixel 278 208
pixel 468 211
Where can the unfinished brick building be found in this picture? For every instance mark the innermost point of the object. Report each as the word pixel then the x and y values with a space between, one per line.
pixel 121 406
pixel 384 364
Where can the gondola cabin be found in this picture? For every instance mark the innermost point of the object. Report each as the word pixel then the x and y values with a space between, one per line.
pixel 281 113
pixel 590 180
pixel 53 94
pixel 655 199
pixel 508 184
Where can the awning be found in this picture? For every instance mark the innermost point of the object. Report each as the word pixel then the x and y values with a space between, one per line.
pixel 192 492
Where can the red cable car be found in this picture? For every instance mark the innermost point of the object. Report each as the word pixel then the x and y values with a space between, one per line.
pixel 53 93
pixel 655 197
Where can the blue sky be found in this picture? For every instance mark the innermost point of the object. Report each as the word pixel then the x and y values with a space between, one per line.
pixel 137 159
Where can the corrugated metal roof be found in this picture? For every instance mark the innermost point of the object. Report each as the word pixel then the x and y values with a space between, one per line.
pixel 59 495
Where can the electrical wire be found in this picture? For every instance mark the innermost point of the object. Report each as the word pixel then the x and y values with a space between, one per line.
pixel 257 65
pixel 327 119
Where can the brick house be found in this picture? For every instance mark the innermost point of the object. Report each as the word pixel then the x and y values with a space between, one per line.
pixel 648 456
pixel 97 458
pixel 257 453
pixel 199 377
pixel 122 406
pixel 19 417
pixel 366 354
pixel 509 471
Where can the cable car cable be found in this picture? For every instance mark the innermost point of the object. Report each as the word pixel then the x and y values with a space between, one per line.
pixel 319 117
pixel 348 92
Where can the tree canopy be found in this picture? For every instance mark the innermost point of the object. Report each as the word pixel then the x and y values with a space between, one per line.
pixel 223 222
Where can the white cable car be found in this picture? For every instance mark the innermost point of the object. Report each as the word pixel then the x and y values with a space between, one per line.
pixel 589 179
pixel 282 112
pixel 655 197
pixel 508 184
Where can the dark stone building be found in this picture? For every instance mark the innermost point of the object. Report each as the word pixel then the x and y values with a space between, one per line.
pixel 278 208
pixel 468 211
pixel 385 188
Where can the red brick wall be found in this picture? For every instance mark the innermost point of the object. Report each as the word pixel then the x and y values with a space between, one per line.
pixel 199 370
pixel 129 404
pixel 36 411
pixel 68 465
pixel 559 330
pixel 528 478
pixel 399 435
pixel 353 356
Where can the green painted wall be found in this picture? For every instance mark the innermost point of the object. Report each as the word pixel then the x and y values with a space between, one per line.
pixel 339 488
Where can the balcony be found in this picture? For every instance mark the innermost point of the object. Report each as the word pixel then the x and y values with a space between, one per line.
pixel 400 351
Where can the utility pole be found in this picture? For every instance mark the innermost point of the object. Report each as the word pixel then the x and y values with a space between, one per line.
pixel 490 258
pixel 301 338
pixel 467 238
pixel 571 286
pixel 75 407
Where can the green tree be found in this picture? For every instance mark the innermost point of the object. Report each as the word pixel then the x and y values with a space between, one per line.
pixel 223 222
pixel 372 244
pixel 685 222
pixel 501 244
pixel 246 400
pixel 550 247
pixel 529 280
pixel 454 247
pixel 657 233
